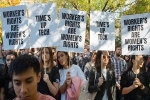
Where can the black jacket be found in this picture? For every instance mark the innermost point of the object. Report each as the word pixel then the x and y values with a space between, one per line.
pixel 109 85
pixel 127 79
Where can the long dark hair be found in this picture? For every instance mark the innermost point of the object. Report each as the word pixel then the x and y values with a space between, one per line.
pixel 51 62
pixel 98 61
pixel 68 59
pixel 131 64
pixel 5 74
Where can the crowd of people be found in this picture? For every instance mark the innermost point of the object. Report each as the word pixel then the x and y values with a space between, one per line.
pixel 47 74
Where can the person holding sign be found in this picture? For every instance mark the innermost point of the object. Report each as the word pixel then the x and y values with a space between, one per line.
pixel 134 81
pixel 67 70
pixel 104 81
pixel 25 74
pixel 49 83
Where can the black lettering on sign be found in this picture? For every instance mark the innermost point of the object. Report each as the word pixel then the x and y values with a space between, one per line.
pixel 15 34
pixel 72 23
pixel 135 21
pixel 102 30
pixel 135 47
pixel 135 28
pixel 72 17
pixel 72 30
pixel 43 32
pixel 70 44
pixel 15 41
pixel 102 24
pixel 43 24
pixel 14 28
pixel 14 13
pixel 102 37
pixel 135 34
pixel 71 37
pixel 40 18
pixel 16 20
pixel 136 41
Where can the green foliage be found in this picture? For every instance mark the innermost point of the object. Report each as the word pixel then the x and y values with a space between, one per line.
pixel 140 6
pixel 118 40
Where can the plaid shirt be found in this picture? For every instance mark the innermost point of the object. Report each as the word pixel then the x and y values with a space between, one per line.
pixel 120 66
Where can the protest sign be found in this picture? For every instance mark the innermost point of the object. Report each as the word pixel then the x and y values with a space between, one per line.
pixel 14 28
pixel 102 31
pixel 43 25
pixel 72 28
pixel 135 31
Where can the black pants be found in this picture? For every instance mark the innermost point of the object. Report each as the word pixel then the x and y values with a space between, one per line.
pixel 118 94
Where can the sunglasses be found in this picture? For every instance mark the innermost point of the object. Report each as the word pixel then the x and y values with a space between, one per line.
pixel 53 53
pixel 104 57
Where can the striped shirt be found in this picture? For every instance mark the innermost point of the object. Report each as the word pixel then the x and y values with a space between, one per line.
pixel 120 66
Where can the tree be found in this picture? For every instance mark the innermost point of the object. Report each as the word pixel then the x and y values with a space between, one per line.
pixel 140 6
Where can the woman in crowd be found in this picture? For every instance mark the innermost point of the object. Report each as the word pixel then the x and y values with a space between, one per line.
pixel 49 83
pixel 127 59
pixel 90 64
pixel 7 92
pixel 135 88
pixel 104 81
pixel 67 70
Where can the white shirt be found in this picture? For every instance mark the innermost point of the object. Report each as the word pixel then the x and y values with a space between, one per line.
pixel 104 72
pixel 75 70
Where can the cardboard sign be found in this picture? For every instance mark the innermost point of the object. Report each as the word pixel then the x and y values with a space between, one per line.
pixel 102 31
pixel 72 28
pixel 15 28
pixel 135 31
pixel 43 25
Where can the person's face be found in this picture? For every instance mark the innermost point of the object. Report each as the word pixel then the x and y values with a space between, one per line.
pixel 118 51
pixel 54 54
pixel 46 53
pixel 139 60
pixel 126 58
pixel 25 84
pixel 4 52
pixel 26 51
pixel 9 59
pixel 93 57
pixel 105 58
pixel 62 58
pixel 85 51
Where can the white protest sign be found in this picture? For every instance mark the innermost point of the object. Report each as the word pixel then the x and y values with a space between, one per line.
pixel 15 27
pixel 102 31
pixel 135 31
pixel 43 25
pixel 72 28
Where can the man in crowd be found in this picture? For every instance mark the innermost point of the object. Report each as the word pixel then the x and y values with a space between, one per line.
pixel 25 74
pixel 120 66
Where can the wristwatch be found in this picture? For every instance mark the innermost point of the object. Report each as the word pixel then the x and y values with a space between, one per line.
pixel 141 86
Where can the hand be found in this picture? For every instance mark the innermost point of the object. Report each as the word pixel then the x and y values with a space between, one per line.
pixel 68 78
pixel 118 85
pixel 100 81
pixel 135 83
pixel 46 78
pixel 138 82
